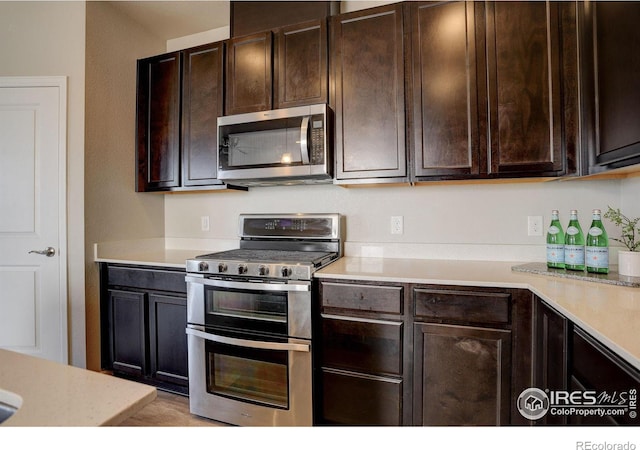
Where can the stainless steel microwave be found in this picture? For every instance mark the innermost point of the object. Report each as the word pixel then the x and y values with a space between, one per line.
pixel 282 146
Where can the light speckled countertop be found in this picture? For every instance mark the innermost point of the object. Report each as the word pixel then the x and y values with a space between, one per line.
pixel 609 313
pixel 55 394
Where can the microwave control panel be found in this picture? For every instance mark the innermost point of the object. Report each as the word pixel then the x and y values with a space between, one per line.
pixel 316 153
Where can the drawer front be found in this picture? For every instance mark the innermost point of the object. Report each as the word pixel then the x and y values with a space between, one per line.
pixel 362 297
pixel 466 306
pixel 353 399
pixel 149 279
pixel 371 346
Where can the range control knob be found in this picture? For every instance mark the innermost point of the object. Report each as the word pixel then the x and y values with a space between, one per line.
pixel 263 271
pixel 286 271
pixel 242 269
pixel 203 266
pixel 222 267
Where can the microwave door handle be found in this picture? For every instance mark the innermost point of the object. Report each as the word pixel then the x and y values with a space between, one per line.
pixel 304 140
pixel 282 346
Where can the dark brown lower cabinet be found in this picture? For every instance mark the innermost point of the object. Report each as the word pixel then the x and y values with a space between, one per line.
pixel 168 360
pixel 403 354
pixel 126 332
pixel 461 375
pixel 362 374
pixel 570 360
pixel 551 349
pixel 143 322
pixel 471 354
pixel 351 398
pixel 595 368
pixel 361 371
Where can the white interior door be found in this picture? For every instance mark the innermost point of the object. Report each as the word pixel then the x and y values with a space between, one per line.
pixel 33 290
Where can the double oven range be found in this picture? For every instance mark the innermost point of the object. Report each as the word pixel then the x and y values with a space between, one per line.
pixel 249 320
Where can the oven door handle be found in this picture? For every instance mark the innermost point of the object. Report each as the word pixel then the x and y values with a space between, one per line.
pixel 248 343
pixel 281 287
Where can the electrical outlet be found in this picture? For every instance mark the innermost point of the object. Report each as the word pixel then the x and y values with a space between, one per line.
pixel 204 223
pixel 534 225
pixel 397 225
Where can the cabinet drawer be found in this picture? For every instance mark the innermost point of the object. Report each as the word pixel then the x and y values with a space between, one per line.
pixel 371 346
pixel 466 306
pixel 353 399
pixel 150 279
pixel 361 297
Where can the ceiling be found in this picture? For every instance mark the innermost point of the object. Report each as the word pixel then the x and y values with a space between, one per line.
pixel 170 19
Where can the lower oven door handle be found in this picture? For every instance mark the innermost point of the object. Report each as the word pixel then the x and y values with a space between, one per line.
pixel 249 343
pixel 282 287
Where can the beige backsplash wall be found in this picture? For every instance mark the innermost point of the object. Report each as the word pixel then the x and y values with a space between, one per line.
pixel 441 221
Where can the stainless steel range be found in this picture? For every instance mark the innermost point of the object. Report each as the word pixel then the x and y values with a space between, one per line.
pixel 249 320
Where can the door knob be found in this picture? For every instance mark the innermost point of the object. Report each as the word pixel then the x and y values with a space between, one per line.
pixel 49 251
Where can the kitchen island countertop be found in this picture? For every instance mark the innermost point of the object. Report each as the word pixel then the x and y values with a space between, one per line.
pixel 55 394
pixel 609 313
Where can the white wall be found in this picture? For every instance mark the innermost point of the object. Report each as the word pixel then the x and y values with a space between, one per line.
pixel 479 221
pixel 47 39
pixel 113 210
pixel 630 200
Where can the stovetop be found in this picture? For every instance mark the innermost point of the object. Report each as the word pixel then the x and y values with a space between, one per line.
pixel 284 246
pixel 268 256
pixel 251 263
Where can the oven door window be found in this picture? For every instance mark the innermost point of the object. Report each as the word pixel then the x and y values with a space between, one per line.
pixel 256 311
pixel 251 375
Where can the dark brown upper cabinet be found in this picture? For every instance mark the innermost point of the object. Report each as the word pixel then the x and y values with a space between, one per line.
pixel 367 50
pixel 524 89
pixel 278 69
pixel 249 73
pixel 158 122
pixel 610 38
pixel 249 17
pixel 202 104
pixel 445 90
pixel 491 95
pixel 301 63
pixel 179 99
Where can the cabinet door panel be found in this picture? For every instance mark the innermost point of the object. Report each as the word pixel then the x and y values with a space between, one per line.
pixel 371 346
pixel 524 88
pixel 368 53
pixel 354 399
pixel 249 74
pixel 461 375
pixel 128 343
pixel 445 96
pixel 302 65
pixel 551 355
pixel 168 340
pixel 596 368
pixel 158 122
pixel 611 86
pixel 202 104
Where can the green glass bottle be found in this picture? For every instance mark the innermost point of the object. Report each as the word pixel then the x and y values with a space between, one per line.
pixel 574 244
pixel 555 242
pixel 597 246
